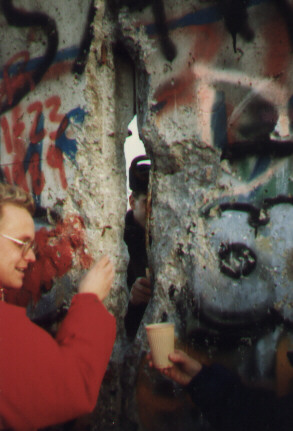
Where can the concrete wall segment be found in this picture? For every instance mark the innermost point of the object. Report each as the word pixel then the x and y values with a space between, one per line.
pixel 217 120
pixel 58 139
pixel 204 69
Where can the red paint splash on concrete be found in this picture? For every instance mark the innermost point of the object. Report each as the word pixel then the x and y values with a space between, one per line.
pixel 175 92
pixel 58 250
pixel 11 84
pixel 180 90
pixel 278 55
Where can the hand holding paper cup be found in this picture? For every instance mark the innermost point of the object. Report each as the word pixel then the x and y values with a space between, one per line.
pixel 161 341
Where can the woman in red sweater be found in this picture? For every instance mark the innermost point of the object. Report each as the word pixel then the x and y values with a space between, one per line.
pixel 44 381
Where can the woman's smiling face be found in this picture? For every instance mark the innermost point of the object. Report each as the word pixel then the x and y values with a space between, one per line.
pixel 17 223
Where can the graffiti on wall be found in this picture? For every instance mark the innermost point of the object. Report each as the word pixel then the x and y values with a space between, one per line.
pixel 16 84
pixel 37 117
pixel 226 97
pixel 240 93
pixel 44 55
pixel 48 143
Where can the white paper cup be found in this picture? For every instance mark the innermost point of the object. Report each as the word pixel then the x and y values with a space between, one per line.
pixel 161 341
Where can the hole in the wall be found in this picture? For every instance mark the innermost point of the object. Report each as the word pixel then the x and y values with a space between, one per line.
pixel 131 89
pixel 133 147
pixel 136 233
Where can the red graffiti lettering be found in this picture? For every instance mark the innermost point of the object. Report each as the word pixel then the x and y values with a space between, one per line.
pixel 6 134
pixel 15 143
pixel 55 160
pixel 35 136
pixel 54 102
pixel 11 84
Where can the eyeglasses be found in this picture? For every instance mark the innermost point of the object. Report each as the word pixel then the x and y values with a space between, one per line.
pixel 26 245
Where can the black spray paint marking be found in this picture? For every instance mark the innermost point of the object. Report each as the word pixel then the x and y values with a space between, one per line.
pixel 81 60
pixel 236 260
pixel 236 19
pixel 21 18
pixel 274 148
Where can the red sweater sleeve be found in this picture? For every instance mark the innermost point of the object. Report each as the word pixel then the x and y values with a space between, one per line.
pixel 44 381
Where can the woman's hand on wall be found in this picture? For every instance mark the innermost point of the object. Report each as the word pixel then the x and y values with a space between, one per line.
pixel 99 279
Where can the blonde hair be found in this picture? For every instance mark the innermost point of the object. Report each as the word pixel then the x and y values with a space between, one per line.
pixel 10 194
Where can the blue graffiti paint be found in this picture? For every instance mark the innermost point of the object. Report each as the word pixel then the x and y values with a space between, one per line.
pixel 62 55
pixel 66 145
pixel 208 15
